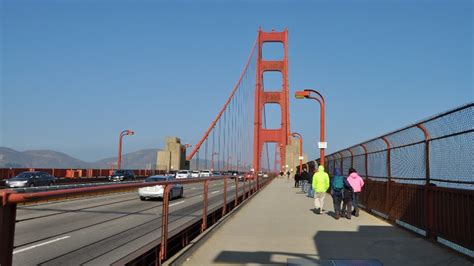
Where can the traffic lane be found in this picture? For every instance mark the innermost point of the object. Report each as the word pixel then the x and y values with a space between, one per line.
pixel 30 231
pixel 46 227
pixel 105 238
pixel 56 208
pixel 116 247
pixel 28 212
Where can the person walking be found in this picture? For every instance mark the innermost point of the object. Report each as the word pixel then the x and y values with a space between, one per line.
pixel 288 174
pixel 356 183
pixel 305 178
pixel 310 181
pixel 337 186
pixel 347 194
pixel 297 179
pixel 320 186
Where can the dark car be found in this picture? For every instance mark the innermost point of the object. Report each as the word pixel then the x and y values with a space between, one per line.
pixel 31 179
pixel 122 175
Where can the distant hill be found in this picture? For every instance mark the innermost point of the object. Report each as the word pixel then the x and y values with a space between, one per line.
pixel 141 159
pixel 53 159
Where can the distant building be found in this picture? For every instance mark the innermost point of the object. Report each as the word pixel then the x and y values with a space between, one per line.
pixel 173 157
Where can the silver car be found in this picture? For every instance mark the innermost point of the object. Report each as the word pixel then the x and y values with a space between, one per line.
pixel 156 192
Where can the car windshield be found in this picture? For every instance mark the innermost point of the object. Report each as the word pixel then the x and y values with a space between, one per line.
pixel 182 172
pixel 155 179
pixel 119 172
pixel 195 172
pixel 23 176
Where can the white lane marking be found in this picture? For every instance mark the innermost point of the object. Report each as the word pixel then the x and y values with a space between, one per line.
pixel 214 191
pixel 174 204
pixel 41 244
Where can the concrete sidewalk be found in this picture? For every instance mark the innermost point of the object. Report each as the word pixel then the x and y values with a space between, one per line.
pixel 278 227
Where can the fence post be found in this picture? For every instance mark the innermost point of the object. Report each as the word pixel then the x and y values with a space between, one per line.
pixel 352 158
pixel 204 207
pixel 7 229
pixel 366 165
pixel 429 208
pixel 164 223
pixel 224 208
pixel 389 174
pixel 236 199
pixel 342 162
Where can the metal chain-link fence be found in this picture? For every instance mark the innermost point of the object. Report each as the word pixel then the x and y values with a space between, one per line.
pixel 420 176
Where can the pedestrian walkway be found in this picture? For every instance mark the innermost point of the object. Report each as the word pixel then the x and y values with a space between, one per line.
pixel 278 227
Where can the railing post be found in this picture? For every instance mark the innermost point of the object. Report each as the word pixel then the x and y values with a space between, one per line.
pixel 7 229
pixel 236 199
pixel 429 208
pixel 204 207
pixel 352 158
pixel 224 208
pixel 164 223
pixel 366 161
pixel 389 174
pixel 366 166
pixel 342 163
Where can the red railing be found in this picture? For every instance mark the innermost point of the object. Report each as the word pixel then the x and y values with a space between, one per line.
pixel 10 199
pixel 420 175
pixel 6 173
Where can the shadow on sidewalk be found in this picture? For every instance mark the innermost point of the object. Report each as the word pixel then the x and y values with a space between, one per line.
pixel 368 246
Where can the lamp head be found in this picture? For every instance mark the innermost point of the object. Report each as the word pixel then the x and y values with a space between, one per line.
pixel 301 94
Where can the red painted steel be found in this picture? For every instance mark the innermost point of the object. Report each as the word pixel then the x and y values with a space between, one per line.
pixel 164 223
pixel 389 175
pixel 427 189
pixel 198 145
pixel 321 121
pixel 440 211
pixel 7 230
pixel 224 208
pixel 236 199
pixel 126 132
pixel 366 163
pixel 204 208
pixel 352 158
pixel 262 135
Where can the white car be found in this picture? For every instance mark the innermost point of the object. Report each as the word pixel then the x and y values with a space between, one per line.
pixel 155 192
pixel 183 174
pixel 205 173
pixel 195 174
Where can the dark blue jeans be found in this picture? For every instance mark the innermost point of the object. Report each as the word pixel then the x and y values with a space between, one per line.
pixel 336 200
pixel 355 201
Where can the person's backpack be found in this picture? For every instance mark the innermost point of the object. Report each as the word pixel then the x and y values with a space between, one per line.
pixel 338 183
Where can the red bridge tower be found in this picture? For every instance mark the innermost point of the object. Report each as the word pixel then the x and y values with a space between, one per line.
pixel 262 97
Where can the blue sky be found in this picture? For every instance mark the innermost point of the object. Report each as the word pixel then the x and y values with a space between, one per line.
pixel 76 73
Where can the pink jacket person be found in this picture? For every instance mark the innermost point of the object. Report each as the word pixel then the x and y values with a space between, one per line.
pixel 356 182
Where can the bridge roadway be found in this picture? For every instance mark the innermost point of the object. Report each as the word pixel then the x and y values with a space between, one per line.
pixel 101 230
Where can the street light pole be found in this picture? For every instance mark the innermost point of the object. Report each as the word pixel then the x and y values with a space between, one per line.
pixel 298 135
pixel 307 94
pixel 126 132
